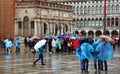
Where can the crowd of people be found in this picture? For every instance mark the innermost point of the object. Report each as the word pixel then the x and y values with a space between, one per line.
pixel 99 49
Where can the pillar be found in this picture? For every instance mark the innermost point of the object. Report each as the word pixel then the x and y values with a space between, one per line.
pixel 16 27
pixel 35 30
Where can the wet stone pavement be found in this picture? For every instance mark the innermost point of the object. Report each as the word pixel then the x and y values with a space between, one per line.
pixel 60 63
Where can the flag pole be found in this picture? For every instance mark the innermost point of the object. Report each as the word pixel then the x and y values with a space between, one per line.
pixel 104 20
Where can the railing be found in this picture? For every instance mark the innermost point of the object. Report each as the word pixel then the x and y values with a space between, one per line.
pixel 100 28
pixel 44 4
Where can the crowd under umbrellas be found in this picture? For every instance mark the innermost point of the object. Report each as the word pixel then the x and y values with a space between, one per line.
pixel 62 43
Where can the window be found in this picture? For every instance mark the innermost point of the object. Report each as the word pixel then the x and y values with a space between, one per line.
pixel 81 10
pixel 26 22
pixel 85 10
pixel 32 25
pixel 100 9
pixel 113 9
pixel 117 8
pixel 89 10
pixel 108 9
pixel 96 10
pixel 19 24
pixel 77 9
pixel 92 9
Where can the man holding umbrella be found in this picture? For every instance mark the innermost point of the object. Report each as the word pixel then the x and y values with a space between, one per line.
pixel 39 47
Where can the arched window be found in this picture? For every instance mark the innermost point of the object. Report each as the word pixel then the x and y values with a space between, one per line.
pixel 97 22
pixel 89 22
pixel 85 10
pixel 96 10
pixel 112 21
pixel 26 22
pixel 32 25
pixel 92 9
pixel 117 8
pixel 20 25
pixel 116 22
pixel 108 22
pixel 77 9
pixel 113 9
pixel 93 22
pixel 108 9
pixel 81 10
pixel 100 9
pixel 89 10
pixel 85 22
pixel 101 22
pixel 81 23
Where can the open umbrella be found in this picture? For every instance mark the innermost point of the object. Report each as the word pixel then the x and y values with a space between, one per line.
pixel 107 38
pixel 34 37
pixel 85 38
pixel 39 44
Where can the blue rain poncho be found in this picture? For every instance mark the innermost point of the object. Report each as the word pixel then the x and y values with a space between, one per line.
pixel 84 51
pixel 105 51
pixel 58 43
pixel 95 54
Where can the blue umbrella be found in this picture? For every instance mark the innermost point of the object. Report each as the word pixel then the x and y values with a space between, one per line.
pixel 60 37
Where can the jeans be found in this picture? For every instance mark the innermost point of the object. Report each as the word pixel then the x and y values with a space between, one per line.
pixel 102 64
pixel 39 57
pixel 84 64
pixel 95 64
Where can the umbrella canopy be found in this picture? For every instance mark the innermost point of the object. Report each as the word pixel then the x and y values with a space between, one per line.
pixel 60 37
pixel 73 37
pixel 76 44
pixel 85 38
pixel 107 38
pixel 34 37
pixel 39 44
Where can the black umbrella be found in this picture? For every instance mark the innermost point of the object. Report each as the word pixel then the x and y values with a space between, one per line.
pixel 85 37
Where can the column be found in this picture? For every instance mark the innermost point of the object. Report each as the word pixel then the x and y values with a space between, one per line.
pixel 114 22
pixel 16 27
pixel 22 28
pixel 29 27
pixel 110 23
pixel 35 30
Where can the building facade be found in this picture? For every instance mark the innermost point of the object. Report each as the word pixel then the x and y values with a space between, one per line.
pixel 89 15
pixel 40 18
pixel 6 18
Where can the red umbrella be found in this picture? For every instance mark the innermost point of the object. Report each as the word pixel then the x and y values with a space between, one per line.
pixel 76 44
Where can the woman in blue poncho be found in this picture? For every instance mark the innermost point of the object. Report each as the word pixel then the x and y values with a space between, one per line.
pixel 83 52
pixel 95 54
pixel 105 53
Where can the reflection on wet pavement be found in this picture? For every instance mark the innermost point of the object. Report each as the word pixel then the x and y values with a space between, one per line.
pixel 55 64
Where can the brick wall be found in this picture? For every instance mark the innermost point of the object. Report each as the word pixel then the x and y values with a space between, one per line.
pixel 6 18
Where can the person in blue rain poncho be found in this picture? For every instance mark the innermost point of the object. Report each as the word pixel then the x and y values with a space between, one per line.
pixel 95 54
pixel 83 52
pixel 105 53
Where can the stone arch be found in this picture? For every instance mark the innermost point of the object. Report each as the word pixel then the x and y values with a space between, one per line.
pixel 98 33
pixel 107 32
pixel 83 32
pixel 91 33
pixel 114 33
